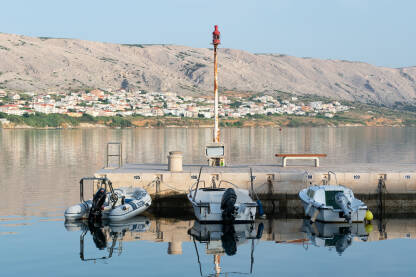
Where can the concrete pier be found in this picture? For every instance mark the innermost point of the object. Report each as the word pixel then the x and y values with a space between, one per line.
pixel 277 186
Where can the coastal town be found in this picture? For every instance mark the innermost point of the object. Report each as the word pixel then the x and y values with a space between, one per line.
pixel 97 102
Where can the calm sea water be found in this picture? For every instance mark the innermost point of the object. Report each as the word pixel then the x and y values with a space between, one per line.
pixel 40 170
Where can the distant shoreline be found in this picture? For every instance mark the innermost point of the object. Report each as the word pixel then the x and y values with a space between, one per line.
pixel 62 121
pixel 247 124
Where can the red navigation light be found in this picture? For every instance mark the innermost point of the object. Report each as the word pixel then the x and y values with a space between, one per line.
pixel 216 36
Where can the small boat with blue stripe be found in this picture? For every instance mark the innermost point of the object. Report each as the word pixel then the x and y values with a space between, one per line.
pixel 108 203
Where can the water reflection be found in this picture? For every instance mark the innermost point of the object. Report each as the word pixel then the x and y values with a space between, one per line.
pixel 220 239
pixel 108 235
pixel 335 235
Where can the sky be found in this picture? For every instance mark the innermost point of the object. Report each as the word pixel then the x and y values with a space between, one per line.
pixel 379 32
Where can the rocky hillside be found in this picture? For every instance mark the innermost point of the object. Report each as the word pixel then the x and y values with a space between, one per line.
pixel 46 64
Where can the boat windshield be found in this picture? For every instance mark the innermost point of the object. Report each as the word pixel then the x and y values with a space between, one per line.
pixel 213 189
pixel 330 198
pixel 311 193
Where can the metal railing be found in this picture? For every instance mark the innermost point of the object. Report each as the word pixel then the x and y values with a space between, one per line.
pixel 119 154
pixel 194 187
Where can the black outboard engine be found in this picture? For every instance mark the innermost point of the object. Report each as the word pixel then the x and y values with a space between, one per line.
pixel 97 203
pixel 227 205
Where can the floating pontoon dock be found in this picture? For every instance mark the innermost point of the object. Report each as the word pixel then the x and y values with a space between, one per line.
pixel 391 186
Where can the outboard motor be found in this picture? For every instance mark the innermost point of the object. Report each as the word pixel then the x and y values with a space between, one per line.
pixel 227 205
pixel 344 204
pixel 97 204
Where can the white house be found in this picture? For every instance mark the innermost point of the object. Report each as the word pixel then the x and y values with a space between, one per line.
pixel 317 105
pixel 16 97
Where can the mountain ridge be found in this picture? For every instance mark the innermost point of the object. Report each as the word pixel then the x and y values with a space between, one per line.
pixel 48 64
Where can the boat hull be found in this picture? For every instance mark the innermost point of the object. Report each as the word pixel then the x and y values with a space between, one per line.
pixel 79 211
pixel 332 215
pixel 130 210
pixel 119 213
pixel 211 213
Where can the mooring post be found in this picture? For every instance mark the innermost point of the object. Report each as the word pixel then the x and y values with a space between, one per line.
pixel 157 186
pixel 381 196
pixel 175 161
pixel 159 234
pixel 270 185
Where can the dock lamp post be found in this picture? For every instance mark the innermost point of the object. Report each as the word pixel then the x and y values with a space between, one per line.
pixel 216 41
pixel 215 151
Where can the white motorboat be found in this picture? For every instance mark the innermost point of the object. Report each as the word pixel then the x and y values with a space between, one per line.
pixel 220 204
pixel 108 203
pixel 332 203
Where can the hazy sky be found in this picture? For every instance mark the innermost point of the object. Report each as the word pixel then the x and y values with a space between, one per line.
pixel 380 32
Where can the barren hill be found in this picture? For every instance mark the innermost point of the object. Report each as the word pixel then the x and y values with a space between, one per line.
pixel 47 64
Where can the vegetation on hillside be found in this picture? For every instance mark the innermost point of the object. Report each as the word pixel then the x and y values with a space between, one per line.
pixel 40 120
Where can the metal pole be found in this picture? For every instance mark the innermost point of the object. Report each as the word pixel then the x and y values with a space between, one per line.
pixel 108 145
pixel 120 159
pixel 216 136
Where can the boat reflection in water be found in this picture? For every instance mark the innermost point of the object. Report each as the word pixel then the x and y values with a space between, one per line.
pixel 106 234
pixel 223 239
pixel 335 235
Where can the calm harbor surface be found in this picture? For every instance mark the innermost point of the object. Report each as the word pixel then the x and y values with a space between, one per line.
pixel 40 170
